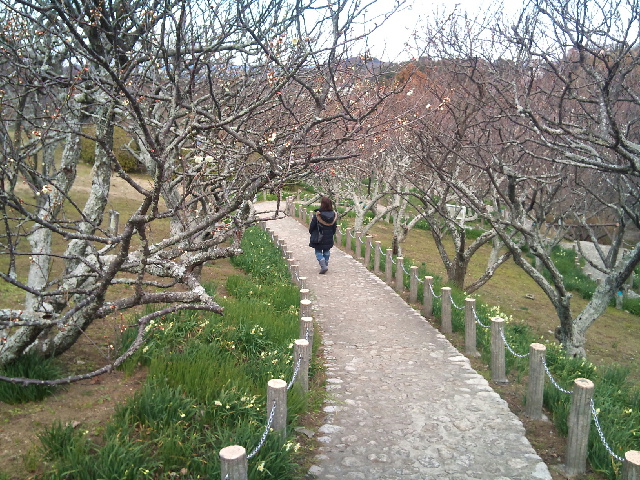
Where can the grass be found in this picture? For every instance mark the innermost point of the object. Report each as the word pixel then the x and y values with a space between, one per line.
pixel 205 389
pixel 28 366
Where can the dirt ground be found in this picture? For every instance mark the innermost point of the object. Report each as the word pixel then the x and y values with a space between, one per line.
pixel 87 405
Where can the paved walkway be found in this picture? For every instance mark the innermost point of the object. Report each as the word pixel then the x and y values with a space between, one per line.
pixel 403 402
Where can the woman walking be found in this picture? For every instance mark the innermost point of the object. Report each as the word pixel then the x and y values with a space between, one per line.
pixel 322 229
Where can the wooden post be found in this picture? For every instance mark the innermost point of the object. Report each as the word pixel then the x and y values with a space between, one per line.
pixel 306 329
pixel 413 284
pixel 339 236
pixel 619 299
pixel 367 250
pixel 388 266
pixel 470 341
pixel 498 367
pixel 301 353
pixel 631 465
pixel 290 262
pixel 295 273
pixel 113 222
pixel 358 245
pixel 277 395
pixel 233 463
pixel 535 385
pixel 347 243
pixel 445 314
pixel 399 274
pixel 304 294
pixel 579 421
pixel 427 298
pixel 305 308
pixel 376 257
pixel 303 282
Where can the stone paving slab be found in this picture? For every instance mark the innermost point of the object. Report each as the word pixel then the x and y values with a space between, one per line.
pixel 403 402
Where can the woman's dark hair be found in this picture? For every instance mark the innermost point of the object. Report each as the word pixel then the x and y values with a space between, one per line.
pixel 326 205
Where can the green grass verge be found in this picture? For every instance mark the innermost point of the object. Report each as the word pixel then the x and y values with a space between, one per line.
pixel 205 390
pixel 28 366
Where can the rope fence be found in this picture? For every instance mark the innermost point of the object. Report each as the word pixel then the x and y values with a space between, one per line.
pixel 582 406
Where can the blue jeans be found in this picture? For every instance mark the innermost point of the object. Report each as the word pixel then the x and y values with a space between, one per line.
pixel 320 254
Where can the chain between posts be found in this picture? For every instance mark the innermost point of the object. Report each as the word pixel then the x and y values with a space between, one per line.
pixel 594 412
pixel 266 432
pixel 434 293
pixel 456 306
pixel 295 372
pixel 475 314
pixel 553 380
pixel 405 270
pixel 504 338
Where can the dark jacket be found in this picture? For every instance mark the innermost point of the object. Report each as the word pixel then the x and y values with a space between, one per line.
pixel 328 225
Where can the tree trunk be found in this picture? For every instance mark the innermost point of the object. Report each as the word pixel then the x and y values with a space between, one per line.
pixel 40 242
pixel 457 272
pixel 395 245
pixel 565 333
pixel 496 245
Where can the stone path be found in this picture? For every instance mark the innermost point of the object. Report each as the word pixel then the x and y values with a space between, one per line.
pixel 403 402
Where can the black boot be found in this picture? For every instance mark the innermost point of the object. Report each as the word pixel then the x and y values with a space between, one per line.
pixel 323 266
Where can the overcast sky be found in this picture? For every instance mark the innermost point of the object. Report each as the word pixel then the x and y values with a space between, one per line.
pixel 388 42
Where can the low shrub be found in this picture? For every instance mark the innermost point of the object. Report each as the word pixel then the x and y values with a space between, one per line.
pixel 631 305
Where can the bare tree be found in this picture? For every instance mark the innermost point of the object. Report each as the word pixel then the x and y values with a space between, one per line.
pixel 220 100
pixel 441 140
pixel 566 159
